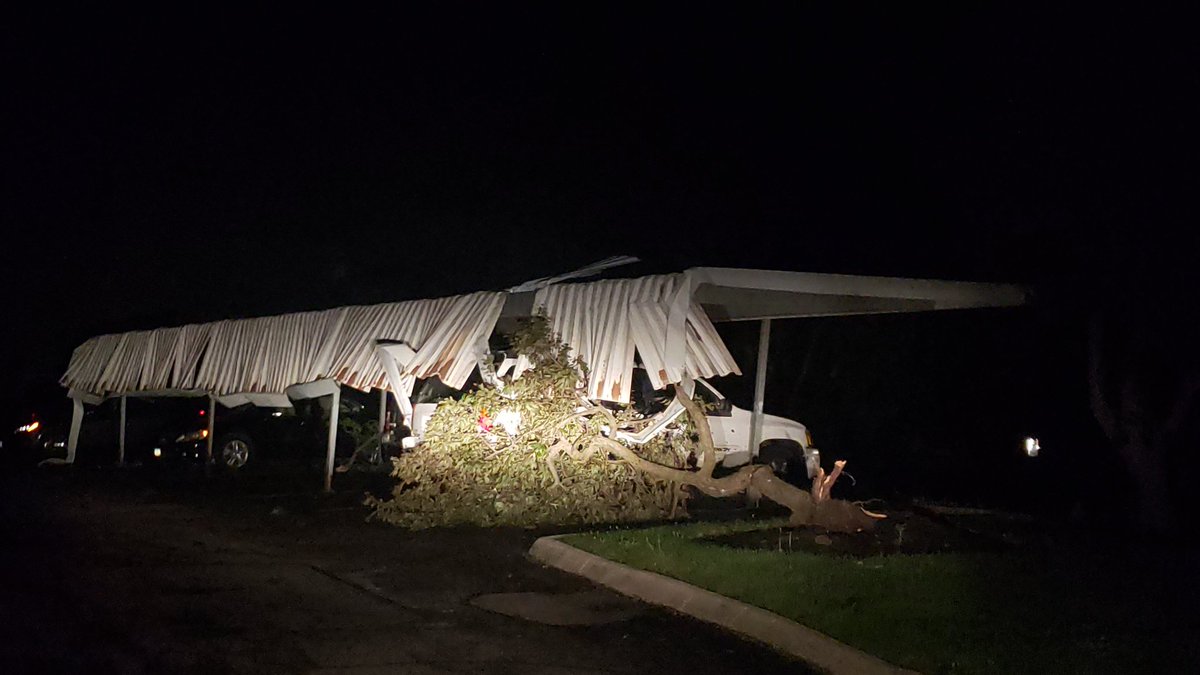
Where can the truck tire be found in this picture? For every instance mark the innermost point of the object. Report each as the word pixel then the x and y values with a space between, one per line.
pixel 786 459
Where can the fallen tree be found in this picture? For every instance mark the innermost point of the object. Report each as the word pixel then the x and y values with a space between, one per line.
pixel 813 507
pixel 533 451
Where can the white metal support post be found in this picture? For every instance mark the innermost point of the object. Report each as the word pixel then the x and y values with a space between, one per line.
pixel 121 435
pixel 382 419
pixel 212 424
pixel 333 426
pixel 76 423
pixel 760 386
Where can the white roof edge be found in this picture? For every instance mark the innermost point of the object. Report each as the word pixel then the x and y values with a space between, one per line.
pixel 944 294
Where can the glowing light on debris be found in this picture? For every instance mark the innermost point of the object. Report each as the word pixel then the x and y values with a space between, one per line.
pixel 510 420
pixel 1032 446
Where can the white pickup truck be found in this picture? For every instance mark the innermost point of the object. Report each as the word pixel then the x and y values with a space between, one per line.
pixel 786 444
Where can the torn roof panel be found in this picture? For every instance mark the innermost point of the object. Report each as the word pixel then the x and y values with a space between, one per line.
pixel 268 354
pixel 604 322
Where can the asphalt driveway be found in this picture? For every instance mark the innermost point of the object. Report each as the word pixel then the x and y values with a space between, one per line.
pixel 106 571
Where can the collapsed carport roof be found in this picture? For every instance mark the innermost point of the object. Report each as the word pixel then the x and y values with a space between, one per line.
pixel 733 294
pixel 669 312
pixel 265 356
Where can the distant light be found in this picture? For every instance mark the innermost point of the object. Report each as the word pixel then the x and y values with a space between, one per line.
pixel 29 428
pixel 158 452
pixel 203 412
pixel 277 413
pixel 1032 446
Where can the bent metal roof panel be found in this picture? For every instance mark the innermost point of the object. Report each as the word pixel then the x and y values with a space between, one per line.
pixel 268 354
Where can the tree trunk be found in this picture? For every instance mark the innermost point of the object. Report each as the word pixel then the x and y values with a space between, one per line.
pixel 808 508
pixel 1140 438
pixel 1150 491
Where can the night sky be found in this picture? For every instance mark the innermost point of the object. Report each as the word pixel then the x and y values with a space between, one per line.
pixel 165 169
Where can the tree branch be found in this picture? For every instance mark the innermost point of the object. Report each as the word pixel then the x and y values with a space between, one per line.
pixel 709 460
pixel 551 456
pixel 1180 411
pixel 823 486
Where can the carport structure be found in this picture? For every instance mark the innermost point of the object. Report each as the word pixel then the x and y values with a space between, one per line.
pixel 665 320
pixel 270 360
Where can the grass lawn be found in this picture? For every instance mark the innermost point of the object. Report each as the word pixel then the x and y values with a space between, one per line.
pixel 1066 609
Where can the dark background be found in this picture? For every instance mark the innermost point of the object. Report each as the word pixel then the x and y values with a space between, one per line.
pixel 161 169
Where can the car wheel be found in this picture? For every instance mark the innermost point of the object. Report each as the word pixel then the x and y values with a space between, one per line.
pixel 785 459
pixel 235 450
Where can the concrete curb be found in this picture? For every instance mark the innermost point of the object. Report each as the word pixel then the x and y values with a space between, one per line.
pixel 783 634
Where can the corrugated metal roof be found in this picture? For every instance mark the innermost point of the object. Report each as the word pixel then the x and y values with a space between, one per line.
pixel 705 355
pixel 605 321
pixel 268 354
